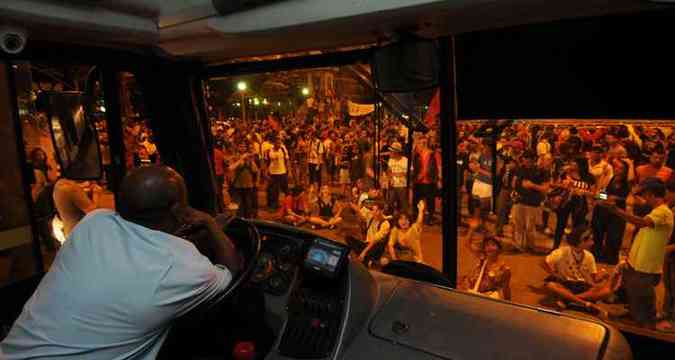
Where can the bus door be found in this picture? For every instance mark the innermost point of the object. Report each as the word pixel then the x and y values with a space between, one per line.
pixel 19 253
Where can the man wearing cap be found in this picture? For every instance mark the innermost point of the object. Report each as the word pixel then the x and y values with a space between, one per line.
pixel 530 184
pixel 647 254
pixel 398 173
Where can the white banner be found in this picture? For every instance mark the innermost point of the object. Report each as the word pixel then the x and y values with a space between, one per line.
pixel 360 109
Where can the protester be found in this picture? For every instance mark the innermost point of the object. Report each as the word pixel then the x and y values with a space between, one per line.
pixel 245 173
pixel 530 184
pixel 426 175
pixel 491 276
pixel 316 158
pixel 647 254
pixel 574 276
pixel 405 239
pixel 328 210
pixel 608 229
pixel 398 174
pixel 278 161
pixel 481 191
pixel 374 214
pixel 293 209
pixel 578 183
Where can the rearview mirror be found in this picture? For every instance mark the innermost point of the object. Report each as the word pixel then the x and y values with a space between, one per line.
pixel 74 136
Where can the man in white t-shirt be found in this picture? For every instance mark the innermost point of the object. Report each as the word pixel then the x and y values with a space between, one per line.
pixel 121 279
pixel 398 170
pixel 599 168
pixel 278 160
pixel 574 276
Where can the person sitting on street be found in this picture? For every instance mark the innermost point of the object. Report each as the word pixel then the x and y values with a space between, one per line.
pixel 292 209
pixel 574 276
pixel 490 276
pixel 327 210
pixel 122 278
pixel 373 213
pixel 404 240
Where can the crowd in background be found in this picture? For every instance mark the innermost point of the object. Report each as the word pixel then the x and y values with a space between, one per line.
pixel 585 185
pixel 309 170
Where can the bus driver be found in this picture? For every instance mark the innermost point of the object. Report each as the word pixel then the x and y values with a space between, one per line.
pixel 121 278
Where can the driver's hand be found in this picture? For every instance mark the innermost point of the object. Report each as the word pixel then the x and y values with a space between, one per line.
pixel 191 218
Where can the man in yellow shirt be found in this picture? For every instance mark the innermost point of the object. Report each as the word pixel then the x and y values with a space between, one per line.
pixel 645 261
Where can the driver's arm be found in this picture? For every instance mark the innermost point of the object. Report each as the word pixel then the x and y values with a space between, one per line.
pixel 221 247
pixel 72 203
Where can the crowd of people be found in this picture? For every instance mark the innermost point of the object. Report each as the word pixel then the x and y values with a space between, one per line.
pixel 332 174
pixel 609 191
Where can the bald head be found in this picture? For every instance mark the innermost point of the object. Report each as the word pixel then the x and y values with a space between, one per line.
pixel 147 195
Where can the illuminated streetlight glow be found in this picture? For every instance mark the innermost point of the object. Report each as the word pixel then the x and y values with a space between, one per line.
pixel 265 101
pixel 256 102
pixel 242 86
pixel 305 91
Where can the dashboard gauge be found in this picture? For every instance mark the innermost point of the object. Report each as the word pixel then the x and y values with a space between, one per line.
pixel 286 251
pixel 278 284
pixel 285 266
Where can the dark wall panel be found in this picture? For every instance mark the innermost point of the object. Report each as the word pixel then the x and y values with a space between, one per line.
pixel 608 67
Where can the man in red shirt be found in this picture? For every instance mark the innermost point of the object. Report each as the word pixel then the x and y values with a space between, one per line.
pixel 426 177
pixel 292 209
pixel 655 168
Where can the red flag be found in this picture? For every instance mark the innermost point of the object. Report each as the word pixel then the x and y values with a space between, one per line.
pixel 434 109
pixel 273 123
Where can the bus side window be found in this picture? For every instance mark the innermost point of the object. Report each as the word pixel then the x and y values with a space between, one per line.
pixel 139 142
pixel 37 86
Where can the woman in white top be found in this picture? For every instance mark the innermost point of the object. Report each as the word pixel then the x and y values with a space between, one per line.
pixel 404 240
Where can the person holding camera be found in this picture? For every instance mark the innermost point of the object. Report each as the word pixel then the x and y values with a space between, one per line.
pixel 245 175
pixel 647 254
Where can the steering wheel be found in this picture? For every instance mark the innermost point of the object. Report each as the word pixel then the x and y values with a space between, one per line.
pixel 248 242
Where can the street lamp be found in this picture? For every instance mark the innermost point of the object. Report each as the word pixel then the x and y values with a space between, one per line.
pixel 242 86
pixel 305 91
